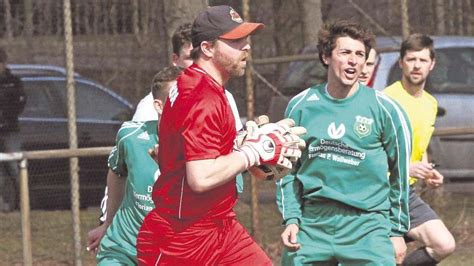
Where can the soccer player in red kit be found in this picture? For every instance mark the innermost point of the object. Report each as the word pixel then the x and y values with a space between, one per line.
pixel 193 222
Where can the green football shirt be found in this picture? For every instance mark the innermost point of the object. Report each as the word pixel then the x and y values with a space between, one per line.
pixel 351 144
pixel 129 159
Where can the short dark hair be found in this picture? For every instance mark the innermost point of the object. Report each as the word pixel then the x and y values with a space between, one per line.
pixel 181 36
pixel 3 55
pixel 330 32
pixel 159 87
pixel 196 51
pixel 417 42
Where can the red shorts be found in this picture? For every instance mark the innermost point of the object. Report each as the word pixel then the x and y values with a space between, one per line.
pixel 205 242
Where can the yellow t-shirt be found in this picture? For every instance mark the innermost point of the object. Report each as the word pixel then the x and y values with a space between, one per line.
pixel 421 112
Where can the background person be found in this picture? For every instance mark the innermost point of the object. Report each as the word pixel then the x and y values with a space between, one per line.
pixel 366 75
pixel 12 96
pixel 12 103
pixel 338 205
pixel 417 60
pixel 132 173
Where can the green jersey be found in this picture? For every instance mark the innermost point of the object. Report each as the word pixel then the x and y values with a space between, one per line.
pixel 129 159
pixel 351 145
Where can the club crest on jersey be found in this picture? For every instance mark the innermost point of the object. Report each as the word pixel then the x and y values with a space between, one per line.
pixel 363 126
pixel 336 133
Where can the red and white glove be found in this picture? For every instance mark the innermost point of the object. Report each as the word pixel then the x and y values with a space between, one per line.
pixel 263 148
pixel 291 135
pixel 272 143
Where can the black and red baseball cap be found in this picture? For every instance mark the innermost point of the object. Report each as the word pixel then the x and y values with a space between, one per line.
pixel 220 22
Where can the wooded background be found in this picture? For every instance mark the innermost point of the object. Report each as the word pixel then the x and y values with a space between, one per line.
pixel 122 43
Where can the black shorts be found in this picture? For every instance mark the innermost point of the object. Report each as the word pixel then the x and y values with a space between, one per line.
pixel 420 212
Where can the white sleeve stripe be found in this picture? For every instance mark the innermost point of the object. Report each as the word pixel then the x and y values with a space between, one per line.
pixel 407 137
pixel 302 95
pixel 406 131
pixel 282 200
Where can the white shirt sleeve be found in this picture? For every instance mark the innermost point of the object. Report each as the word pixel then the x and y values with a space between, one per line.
pixel 235 111
pixel 145 110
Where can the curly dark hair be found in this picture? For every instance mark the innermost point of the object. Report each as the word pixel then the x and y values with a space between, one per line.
pixel 342 28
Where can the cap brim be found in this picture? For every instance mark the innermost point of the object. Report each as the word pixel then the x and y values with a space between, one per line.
pixel 243 30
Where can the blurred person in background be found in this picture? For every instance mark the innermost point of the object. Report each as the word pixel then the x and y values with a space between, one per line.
pixel 366 76
pixel 132 173
pixel 417 60
pixel 12 103
pixel 12 96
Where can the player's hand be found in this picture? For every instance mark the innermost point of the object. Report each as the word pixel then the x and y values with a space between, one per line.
pixel 94 237
pixel 285 126
pixel 271 148
pixel 153 152
pixel 288 237
pixel 435 179
pixel 284 138
pixel 420 170
pixel 400 248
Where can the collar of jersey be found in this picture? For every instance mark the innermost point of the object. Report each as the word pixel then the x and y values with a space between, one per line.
pixel 202 71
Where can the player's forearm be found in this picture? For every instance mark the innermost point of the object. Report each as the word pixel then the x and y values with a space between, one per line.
pixel 116 190
pixel 288 199
pixel 204 175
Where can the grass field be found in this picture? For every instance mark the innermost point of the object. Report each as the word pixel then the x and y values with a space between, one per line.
pixel 52 230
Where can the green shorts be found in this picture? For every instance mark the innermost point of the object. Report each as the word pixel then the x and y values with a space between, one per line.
pixel 112 253
pixel 333 233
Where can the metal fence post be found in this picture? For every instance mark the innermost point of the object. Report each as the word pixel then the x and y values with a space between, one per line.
pixel 25 213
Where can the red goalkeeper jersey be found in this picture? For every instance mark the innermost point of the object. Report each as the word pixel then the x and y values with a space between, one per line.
pixel 197 123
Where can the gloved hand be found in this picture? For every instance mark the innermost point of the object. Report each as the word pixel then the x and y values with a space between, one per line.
pixel 260 148
pixel 271 143
pixel 286 127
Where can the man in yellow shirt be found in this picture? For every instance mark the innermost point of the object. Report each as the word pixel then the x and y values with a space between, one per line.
pixel 417 60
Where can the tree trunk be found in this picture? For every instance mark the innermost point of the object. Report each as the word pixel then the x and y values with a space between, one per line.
pixel 135 19
pixel 276 5
pixel 440 17
pixel 405 19
pixel 113 17
pixel 8 20
pixel 450 18
pixel 469 17
pixel 145 22
pixel 459 18
pixel 28 31
pixel 312 20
